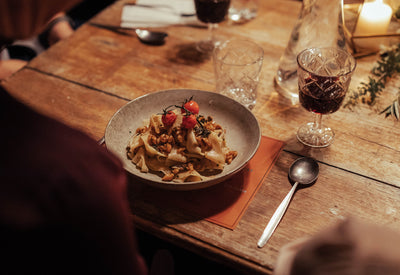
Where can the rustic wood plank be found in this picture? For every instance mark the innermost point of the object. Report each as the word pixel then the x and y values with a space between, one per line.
pixel 337 193
pixel 146 68
pixel 75 105
pixel 335 196
pixel 83 80
pixel 123 66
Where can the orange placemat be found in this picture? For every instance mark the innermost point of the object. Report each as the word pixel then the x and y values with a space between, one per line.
pixel 225 203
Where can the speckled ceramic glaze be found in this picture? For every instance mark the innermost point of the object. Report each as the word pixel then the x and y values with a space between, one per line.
pixel 242 130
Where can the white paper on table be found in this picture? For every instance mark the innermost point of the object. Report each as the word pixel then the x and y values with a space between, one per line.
pixel 155 13
pixel 177 6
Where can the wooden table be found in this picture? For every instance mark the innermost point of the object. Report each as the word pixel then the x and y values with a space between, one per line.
pixel 83 80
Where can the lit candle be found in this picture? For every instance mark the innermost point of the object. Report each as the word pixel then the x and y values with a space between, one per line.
pixel 374 19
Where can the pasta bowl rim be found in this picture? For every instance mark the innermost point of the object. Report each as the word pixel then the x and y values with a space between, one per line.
pixel 119 131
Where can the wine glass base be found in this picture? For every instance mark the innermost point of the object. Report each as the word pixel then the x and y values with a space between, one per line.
pixel 206 46
pixel 311 136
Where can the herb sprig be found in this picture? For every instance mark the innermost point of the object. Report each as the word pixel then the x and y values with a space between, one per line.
pixel 367 93
pixel 393 109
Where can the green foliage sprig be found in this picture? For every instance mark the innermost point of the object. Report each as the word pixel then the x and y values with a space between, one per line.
pixel 386 68
pixel 393 109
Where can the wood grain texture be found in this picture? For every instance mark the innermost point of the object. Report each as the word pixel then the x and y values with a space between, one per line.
pixel 75 105
pixel 83 80
pixel 121 65
pixel 335 196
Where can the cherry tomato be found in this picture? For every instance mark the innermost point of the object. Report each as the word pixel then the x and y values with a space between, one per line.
pixel 189 121
pixel 168 118
pixel 191 106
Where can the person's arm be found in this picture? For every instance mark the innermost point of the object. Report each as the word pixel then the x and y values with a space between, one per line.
pixel 52 174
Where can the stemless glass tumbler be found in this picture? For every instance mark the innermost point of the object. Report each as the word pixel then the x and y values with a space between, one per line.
pixel 324 76
pixel 237 67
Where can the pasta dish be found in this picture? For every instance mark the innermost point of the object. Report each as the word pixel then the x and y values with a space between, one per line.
pixel 180 144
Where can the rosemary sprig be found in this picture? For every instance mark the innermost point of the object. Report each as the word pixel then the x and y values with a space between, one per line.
pixel 393 109
pixel 386 68
pixel 366 93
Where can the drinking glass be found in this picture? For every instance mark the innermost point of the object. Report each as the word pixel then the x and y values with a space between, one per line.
pixel 237 67
pixel 211 12
pixel 324 76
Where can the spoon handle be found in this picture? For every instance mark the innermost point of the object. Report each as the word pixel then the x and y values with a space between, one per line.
pixel 111 27
pixel 276 218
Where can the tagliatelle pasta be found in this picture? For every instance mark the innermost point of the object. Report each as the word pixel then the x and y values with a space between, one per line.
pixel 180 144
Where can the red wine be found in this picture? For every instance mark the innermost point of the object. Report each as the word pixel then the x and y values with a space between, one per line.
pixel 322 94
pixel 211 11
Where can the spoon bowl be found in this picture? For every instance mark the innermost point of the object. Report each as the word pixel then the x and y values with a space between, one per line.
pixel 303 171
pixel 151 37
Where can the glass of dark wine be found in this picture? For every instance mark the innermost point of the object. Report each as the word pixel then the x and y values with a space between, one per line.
pixel 211 12
pixel 324 76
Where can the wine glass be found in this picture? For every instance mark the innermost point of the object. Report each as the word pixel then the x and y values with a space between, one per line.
pixel 324 76
pixel 211 12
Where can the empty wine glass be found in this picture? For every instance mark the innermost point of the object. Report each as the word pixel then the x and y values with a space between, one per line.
pixel 324 76
pixel 211 12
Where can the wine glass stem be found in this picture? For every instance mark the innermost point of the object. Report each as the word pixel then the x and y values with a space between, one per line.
pixel 211 28
pixel 317 121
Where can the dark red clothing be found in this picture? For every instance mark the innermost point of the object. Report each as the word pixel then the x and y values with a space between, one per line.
pixel 63 208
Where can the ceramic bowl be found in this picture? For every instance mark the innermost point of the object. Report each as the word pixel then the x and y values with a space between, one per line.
pixel 243 132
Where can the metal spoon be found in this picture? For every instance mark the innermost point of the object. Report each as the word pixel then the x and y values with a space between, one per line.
pixel 303 171
pixel 145 36
pixel 151 37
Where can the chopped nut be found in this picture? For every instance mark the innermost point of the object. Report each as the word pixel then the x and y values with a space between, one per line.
pixel 175 170
pixel 164 138
pixel 230 156
pixel 167 147
pixel 204 143
pixel 168 177
pixel 152 139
